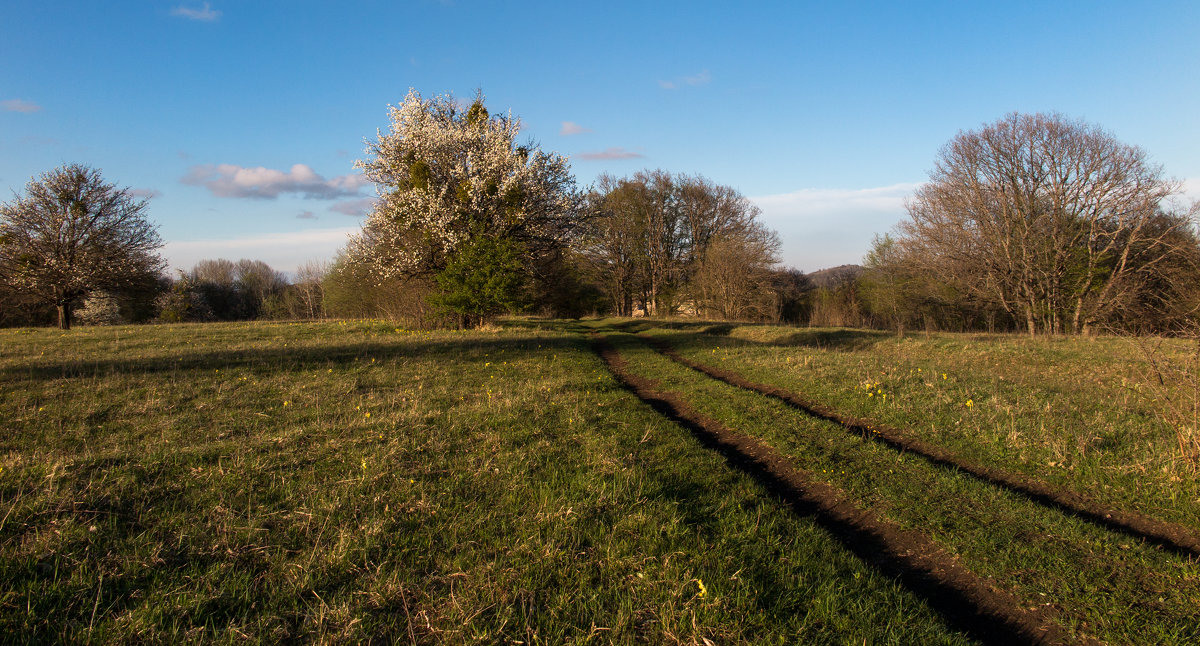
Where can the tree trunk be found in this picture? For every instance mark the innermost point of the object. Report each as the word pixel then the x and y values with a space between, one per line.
pixel 64 316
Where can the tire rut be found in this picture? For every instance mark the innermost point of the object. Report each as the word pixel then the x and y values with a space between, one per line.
pixel 1169 536
pixel 964 600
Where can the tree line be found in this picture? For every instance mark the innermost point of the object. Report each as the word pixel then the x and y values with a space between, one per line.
pixel 1037 223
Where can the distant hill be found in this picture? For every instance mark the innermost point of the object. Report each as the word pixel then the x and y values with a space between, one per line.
pixel 834 276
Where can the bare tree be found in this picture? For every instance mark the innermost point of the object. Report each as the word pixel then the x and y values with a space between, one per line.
pixel 241 290
pixel 261 287
pixel 1049 217
pixel 218 271
pixel 72 233
pixel 653 233
pixel 309 290
pixel 613 246
pixel 651 199
pixel 733 279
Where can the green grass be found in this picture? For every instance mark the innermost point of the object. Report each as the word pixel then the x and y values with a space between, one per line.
pixel 351 482
pixel 1079 413
pixel 1098 582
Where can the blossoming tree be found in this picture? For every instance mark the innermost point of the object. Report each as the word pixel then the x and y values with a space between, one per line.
pixel 448 175
pixel 72 233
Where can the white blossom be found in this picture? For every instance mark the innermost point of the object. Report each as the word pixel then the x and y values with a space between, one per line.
pixel 446 173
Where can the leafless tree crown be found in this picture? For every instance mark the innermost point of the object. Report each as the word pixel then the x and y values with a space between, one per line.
pixel 1051 218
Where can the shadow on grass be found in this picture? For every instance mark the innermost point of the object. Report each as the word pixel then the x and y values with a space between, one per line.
pixel 293 358
pixel 836 340
pixel 693 332
pixel 840 339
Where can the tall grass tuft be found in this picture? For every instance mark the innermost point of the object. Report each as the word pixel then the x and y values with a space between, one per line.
pixel 1172 379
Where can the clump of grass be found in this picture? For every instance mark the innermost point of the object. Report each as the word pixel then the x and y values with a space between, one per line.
pixel 1171 380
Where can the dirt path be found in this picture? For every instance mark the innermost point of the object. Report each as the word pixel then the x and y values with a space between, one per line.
pixel 966 601
pixel 1170 536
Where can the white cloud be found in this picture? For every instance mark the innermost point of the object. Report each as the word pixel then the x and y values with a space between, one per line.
pixel 306 215
pixel 144 193
pixel 361 206
pixel 229 180
pixel 18 105
pixel 703 78
pixel 823 228
pixel 205 13
pixel 282 251
pixel 610 153
pixel 571 128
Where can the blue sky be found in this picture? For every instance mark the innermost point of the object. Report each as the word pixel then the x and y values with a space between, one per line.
pixel 242 118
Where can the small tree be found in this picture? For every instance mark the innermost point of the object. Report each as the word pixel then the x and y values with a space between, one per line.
pixel 242 290
pixel 483 281
pixel 70 234
pixel 310 295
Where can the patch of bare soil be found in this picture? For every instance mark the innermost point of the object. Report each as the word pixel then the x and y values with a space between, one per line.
pixel 1170 536
pixel 967 602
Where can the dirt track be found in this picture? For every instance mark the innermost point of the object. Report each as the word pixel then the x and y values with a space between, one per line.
pixel 966 601
pixel 1167 535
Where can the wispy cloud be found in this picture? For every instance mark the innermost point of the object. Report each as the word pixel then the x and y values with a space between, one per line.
pixel 615 152
pixel 818 202
pixel 571 128
pixel 230 180
pixel 17 105
pixel 357 207
pixel 205 13
pixel 144 193
pixel 830 227
pixel 284 251
pixel 703 78
pixel 305 215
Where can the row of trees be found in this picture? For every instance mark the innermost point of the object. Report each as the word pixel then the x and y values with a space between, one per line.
pixel 661 243
pixel 487 225
pixel 1036 221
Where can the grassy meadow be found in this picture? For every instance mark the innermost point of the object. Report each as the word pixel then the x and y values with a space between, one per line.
pixel 357 482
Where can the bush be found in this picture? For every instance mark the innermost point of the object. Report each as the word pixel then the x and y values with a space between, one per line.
pixel 100 308
pixel 350 290
pixel 183 303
